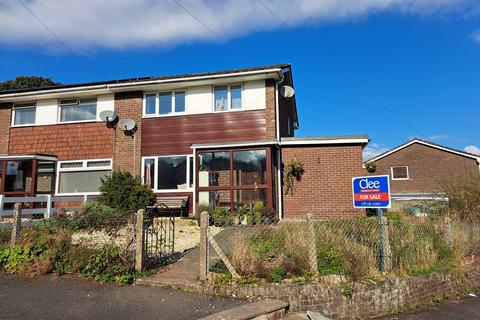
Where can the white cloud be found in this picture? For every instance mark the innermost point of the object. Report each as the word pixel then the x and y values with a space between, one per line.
pixel 85 24
pixel 438 137
pixel 372 150
pixel 472 149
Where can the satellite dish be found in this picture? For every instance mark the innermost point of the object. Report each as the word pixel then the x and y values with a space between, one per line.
pixel 110 117
pixel 128 125
pixel 287 91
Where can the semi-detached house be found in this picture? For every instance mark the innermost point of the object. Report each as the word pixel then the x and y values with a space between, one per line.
pixel 218 138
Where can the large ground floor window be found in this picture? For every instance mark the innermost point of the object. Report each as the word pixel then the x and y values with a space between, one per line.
pixel 168 173
pixel 234 178
pixel 83 176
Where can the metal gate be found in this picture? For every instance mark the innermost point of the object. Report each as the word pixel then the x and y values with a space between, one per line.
pixel 159 236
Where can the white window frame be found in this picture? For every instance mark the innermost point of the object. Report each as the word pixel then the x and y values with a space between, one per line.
pixel 157 104
pixel 229 97
pixel 408 173
pixel 155 174
pixel 27 105
pixel 59 111
pixel 84 167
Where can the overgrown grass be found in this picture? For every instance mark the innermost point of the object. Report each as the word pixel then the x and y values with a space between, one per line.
pixel 352 248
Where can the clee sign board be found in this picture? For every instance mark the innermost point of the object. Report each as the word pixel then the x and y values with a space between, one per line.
pixel 371 192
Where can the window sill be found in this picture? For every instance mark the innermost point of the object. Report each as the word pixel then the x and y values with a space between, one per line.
pixel 176 114
pixel 400 179
pixel 189 190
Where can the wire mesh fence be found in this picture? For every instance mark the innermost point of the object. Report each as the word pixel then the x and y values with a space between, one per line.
pixel 355 248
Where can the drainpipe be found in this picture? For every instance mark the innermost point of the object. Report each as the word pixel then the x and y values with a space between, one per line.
pixel 194 198
pixel 279 151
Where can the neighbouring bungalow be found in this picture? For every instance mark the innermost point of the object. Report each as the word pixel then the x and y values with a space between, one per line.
pixel 420 170
pixel 217 139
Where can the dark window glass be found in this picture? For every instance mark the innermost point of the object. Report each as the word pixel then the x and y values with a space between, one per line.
pixel 165 102
pixel 250 167
pixel 192 171
pixel 46 177
pixel 149 172
pixel 400 172
pixel 18 176
pixel 150 104
pixel 180 101
pixel 214 169
pixel 172 173
pixel 249 197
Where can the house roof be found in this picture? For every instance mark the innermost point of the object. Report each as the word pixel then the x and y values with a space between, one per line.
pixel 144 79
pixel 426 143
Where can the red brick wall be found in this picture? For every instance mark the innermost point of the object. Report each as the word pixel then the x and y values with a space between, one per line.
pixel 5 120
pixel 326 186
pixel 270 108
pixel 429 168
pixel 128 105
pixel 66 141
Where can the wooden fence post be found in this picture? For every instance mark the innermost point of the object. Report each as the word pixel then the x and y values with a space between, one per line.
pixel 448 227
pixel 1 206
pixel 16 223
pixel 312 246
pixel 387 252
pixel 203 271
pixel 48 214
pixel 140 236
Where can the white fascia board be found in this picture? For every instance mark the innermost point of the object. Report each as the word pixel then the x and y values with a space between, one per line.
pixel 118 87
pixel 55 93
pixel 207 77
pixel 233 145
pixel 426 144
pixel 27 157
pixel 326 141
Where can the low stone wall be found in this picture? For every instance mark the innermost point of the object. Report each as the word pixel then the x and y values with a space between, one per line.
pixel 364 299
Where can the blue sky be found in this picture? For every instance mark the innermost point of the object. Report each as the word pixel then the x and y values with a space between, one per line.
pixel 384 70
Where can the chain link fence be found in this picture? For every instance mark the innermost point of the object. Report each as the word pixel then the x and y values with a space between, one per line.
pixel 309 250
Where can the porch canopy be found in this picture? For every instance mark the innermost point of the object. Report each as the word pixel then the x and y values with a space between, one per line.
pixel 27 174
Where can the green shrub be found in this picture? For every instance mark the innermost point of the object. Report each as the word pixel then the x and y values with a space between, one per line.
pixel 105 264
pixel 276 274
pixel 329 259
pixel 124 192
pixel 94 216
pixel 43 250
pixel 221 217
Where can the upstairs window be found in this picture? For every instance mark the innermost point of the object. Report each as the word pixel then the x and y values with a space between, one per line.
pixel 164 103
pixel 24 114
pixel 228 97
pixel 73 110
pixel 400 173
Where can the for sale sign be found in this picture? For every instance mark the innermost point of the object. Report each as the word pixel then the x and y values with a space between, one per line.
pixel 371 192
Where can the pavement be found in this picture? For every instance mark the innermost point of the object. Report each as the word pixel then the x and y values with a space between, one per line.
pixel 461 309
pixel 68 297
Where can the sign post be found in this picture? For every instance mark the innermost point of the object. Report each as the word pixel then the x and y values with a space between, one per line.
pixel 373 192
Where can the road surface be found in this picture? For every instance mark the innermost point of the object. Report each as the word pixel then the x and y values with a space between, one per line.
pixel 68 297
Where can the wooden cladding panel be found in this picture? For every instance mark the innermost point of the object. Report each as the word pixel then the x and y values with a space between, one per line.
pixel 175 135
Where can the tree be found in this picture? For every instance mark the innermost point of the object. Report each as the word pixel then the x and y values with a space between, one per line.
pixel 27 82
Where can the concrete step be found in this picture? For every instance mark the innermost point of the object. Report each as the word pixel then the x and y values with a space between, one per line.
pixel 259 310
